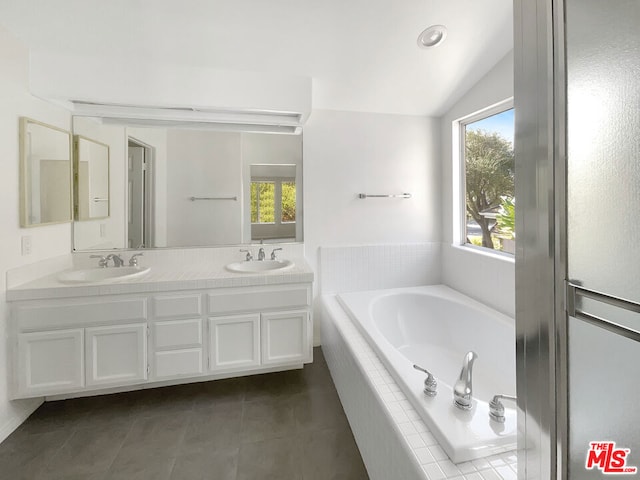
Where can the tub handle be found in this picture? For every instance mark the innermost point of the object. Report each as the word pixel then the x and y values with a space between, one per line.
pixel 496 408
pixel 430 383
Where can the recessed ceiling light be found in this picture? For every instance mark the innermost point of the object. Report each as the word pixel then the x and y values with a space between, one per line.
pixel 432 36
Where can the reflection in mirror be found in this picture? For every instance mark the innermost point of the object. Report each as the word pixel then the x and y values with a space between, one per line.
pixel 91 170
pixel 45 174
pixel 191 185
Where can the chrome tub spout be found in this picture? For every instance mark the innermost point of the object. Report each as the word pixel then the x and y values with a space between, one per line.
pixel 463 388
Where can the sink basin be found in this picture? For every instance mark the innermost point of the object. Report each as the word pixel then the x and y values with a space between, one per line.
pixel 101 275
pixel 260 266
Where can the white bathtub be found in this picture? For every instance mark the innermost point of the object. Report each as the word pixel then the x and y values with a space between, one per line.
pixel 434 326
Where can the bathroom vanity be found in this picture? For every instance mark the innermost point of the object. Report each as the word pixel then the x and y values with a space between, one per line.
pixel 163 328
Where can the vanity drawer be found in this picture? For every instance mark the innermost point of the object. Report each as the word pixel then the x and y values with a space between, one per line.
pixel 176 363
pixel 231 300
pixel 168 306
pixel 54 315
pixel 173 334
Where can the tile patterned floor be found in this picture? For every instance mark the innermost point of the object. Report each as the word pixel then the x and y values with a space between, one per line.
pixel 287 425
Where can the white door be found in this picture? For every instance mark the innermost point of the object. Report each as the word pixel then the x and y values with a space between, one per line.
pixel 136 194
pixel 286 337
pixel 116 355
pixel 234 342
pixel 50 362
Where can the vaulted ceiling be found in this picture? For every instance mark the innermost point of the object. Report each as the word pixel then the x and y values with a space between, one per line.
pixel 361 54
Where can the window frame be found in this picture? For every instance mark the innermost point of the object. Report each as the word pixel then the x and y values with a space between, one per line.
pixel 277 198
pixel 459 177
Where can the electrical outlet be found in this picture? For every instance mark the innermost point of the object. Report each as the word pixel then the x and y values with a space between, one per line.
pixel 26 244
pixel 103 230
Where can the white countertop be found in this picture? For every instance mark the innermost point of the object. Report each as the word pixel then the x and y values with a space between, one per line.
pixel 161 279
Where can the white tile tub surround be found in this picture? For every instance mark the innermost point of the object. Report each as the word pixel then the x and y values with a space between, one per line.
pixel 372 267
pixel 388 430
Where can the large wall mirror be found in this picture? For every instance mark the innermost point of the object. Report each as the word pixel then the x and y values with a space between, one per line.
pixel 189 185
pixel 45 174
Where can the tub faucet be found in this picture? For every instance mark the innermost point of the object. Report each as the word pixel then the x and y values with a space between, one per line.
pixel 463 389
pixel 430 383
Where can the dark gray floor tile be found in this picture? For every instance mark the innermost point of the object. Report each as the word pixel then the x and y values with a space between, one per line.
pixel 26 456
pixel 331 455
pixel 139 466
pixel 275 459
pixel 319 410
pixel 155 436
pixel 270 386
pixel 265 419
pixel 218 464
pixel 167 401
pixel 216 392
pixel 88 451
pixel 214 427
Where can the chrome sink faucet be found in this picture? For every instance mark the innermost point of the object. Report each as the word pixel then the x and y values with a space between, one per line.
pixel 248 257
pixel 117 259
pixel 133 261
pixel 273 253
pixel 102 263
pixel 463 388
pixel 261 254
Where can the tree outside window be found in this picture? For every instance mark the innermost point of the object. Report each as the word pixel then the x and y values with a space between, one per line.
pixel 489 182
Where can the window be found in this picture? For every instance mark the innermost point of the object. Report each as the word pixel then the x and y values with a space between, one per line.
pixel 263 202
pixel 273 199
pixel 486 193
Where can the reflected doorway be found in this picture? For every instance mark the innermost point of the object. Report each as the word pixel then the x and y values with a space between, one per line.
pixel 140 157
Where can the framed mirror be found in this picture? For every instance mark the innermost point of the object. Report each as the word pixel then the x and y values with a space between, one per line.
pixel 193 185
pixel 91 179
pixel 45 174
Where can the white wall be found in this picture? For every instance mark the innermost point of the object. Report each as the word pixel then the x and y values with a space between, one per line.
pixel 487 278
pixel 347 153
pixel 48 241
pixel 204 164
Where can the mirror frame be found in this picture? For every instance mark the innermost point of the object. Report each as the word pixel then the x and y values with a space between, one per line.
pixel 25 190
pixel 76 178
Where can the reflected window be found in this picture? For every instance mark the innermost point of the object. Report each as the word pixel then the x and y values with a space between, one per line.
pixel 263 202
pixel 288 202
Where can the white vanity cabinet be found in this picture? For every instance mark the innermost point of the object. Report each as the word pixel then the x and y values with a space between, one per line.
pixel 68 345
pixel 265 326
pixel 90 343
pixel 176 332
pixel 50 361
pixel 116 354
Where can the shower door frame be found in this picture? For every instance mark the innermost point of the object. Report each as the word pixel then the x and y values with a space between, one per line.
pixel 541 266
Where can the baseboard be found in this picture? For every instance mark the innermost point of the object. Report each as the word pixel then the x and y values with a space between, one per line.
pixel 26 408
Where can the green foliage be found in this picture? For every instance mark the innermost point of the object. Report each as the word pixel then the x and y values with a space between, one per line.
pixel 507 217
pixel 263 202
pixel 288 201
pixel 489 167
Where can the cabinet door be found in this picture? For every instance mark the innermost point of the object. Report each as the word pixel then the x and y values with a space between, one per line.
pixel 116 355
pixel 234 342
pixel 285 337
pixel 50 362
